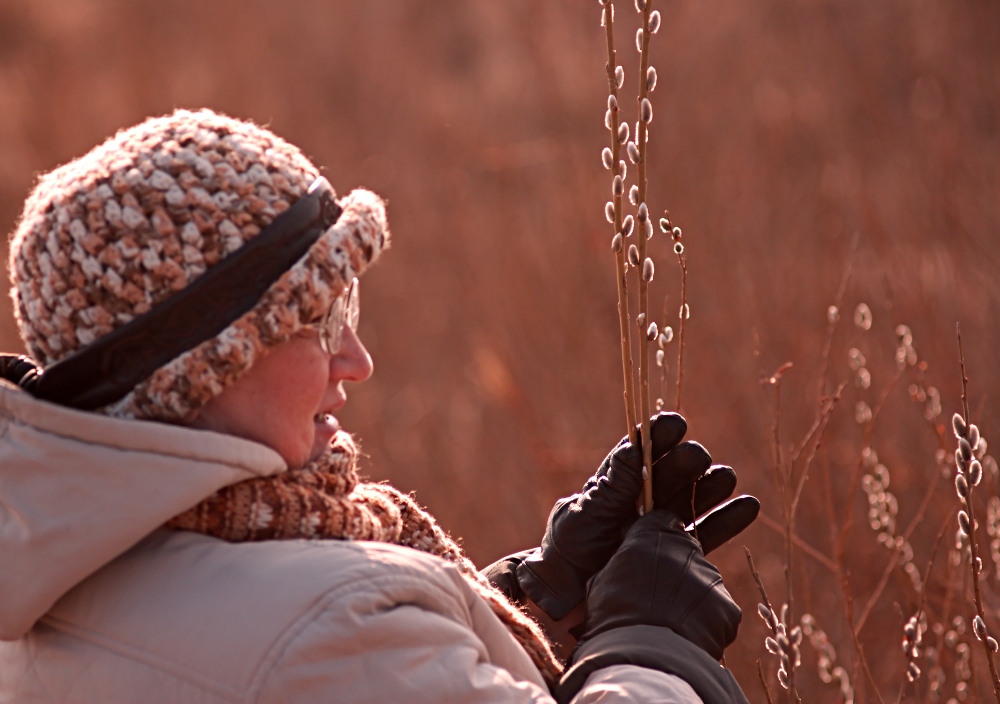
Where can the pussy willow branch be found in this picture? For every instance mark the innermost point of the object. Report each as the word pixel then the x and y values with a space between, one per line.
pixel 792 692
pixel 977 589
pixel 923 593
pixel 623 316
pixel 682 261
pixel 640 232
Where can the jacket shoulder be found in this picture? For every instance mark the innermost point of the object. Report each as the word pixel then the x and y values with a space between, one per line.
pixel 230 618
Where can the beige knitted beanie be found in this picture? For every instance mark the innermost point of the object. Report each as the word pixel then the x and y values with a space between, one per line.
pixel 108 236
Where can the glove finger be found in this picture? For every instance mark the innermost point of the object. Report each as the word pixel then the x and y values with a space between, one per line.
pixel 666 430
pixel 714 487
pixel 677 471
pixel 726 522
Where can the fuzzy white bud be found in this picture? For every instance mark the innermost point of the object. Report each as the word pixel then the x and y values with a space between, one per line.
pixel 654 22
pixel 623 133
pixel 678 248
pixel 660 357
pixel 666 336
pixel 633 153
pixel 633 255
pixel 638 40
pixel 973 435
pixel 609 212
pixel 664 225
pixel 979 627
pixel 961 487
pixel 965 448
pixel 607 158
pixel 647 275
pixel 608 121
pixel 649 230
pixel 640 5
pixel 650 79
pixel 646 111
pixel 622 168
pixel 958 424
pixel 633 195
pixel 992 642
pixel 975 472
pixel 963 517
pixel 651 331
pixel 617 186
pixel 676 233
pixel 640 320
pixel 612 102
pixel 627 224
pixel 616 243
pixel 643 212
pixel 619 76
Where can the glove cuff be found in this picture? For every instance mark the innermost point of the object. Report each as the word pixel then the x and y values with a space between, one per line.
pixel 657 648
pixel 551 581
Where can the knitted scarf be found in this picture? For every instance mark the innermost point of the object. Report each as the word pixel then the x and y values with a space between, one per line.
pixel 324 500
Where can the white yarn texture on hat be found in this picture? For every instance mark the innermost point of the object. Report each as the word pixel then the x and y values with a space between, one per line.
pixel 109 235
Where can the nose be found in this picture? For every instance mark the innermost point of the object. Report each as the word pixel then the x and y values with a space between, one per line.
pixel 352 362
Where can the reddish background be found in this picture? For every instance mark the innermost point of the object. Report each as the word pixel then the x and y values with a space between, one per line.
pixel 782 128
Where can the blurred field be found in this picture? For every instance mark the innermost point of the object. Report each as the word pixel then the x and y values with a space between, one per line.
pixel 782 128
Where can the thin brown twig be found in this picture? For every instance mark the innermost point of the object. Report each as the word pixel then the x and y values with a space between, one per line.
pixel 894 560
pixel 799 543
pixel 812 454
pixel 763 682
pixel 620 266
pixel 923 594
pixel 975 561
pixel 845 582
pixel 771 623
pixel 832 324
pixel 641 138
pixel 681 325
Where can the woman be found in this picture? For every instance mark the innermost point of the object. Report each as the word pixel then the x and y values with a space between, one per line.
pixel 180 513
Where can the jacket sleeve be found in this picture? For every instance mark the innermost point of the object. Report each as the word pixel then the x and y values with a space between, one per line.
pixel 629 684
pixel 407 653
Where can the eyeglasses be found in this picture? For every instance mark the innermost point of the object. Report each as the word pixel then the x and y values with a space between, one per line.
pixel 345 311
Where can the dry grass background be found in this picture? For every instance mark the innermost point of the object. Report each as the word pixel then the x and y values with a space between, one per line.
pixel 782 128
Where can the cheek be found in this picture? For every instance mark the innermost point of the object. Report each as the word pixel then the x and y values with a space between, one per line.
pixel 304 386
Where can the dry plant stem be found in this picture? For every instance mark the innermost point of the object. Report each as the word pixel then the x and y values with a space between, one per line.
pixel 763 682
pixel 894 560
pixel 840 545
pixel 792 693
pixel 623 315
pixel 832 324
pixel 845 582
pixel 977 588
pixel 640 233
pixel 682 260
pixel 923 592
pixel 799 543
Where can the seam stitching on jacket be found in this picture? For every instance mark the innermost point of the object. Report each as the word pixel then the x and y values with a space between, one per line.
pixel 297 627
pixel 147 659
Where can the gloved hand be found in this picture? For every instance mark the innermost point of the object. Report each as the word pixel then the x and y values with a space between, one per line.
pixel 660 604
pixel 585 529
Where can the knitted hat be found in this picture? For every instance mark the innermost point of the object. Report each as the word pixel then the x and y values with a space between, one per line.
pixel 108 236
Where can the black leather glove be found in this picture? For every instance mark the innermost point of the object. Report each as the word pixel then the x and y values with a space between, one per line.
pixel 585 529
pixel 502 575
pixel 660 604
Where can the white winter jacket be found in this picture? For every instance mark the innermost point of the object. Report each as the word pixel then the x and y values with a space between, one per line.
pixel 98 604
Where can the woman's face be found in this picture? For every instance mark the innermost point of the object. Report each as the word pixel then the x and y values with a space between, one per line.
pixel 287 399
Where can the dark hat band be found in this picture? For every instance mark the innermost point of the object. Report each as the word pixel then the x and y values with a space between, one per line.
pixel 109 368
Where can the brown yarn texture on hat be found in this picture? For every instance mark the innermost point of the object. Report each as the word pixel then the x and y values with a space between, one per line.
pixel 326 500
pixel 108 236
